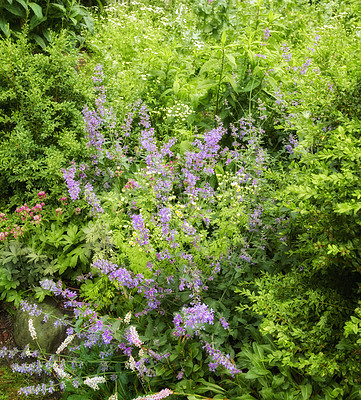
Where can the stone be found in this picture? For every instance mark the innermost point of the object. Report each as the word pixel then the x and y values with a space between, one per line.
pixel 49 337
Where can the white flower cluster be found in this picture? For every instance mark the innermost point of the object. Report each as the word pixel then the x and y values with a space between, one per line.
pixel 32 329
pixel 128 317
pixel 131 363
pixel 113 397
pixel 65 344
pixel 179 111
pixel 60 372
pixel 93 382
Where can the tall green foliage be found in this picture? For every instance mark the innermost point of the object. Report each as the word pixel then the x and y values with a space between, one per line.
pixel 41 98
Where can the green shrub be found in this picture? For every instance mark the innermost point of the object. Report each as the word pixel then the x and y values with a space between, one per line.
pixel 41 125
pixel 43 18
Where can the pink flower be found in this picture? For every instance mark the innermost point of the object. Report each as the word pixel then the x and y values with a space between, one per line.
pixel 36 219
pixel 3 235
pixel 42 195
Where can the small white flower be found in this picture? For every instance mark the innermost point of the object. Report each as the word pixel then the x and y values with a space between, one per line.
pixel 65 344
pixel 32 329
pixel 131 363
pixel 60 372
pixel 113 397
pixel 128 317
pixel 93 382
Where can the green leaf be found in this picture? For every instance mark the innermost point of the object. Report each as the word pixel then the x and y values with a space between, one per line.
pixel 47 34
pixel 37 10
pixel 116 325
pixel 229 78
pixel 224 38
pixel 306 391
pixel 76 12
pixel 231 60
pixel 39 40
pixel 23 3
pixel 35 21
pixel 78 397
pixel 251 85
pixel 15 10
pixel 256 372
pixel 89 23
pixel 185 146
pixel 4 26
pixel 176 87
pixel 57 9
pixel 211 65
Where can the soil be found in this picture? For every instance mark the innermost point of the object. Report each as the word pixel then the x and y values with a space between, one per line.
pixel 6 331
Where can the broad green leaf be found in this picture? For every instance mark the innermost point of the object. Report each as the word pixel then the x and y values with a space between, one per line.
pixel 306 391
pixel 37 10
pixel 224 38
pixel 251 85
pixel 15 10
pixel 211 65
pixel 78 397
pixel 185 146
pixel 4 26
pixel 229 78
pixel 39 40
pixel 57 9
pixel 256 372
pixel 176 87
pixel 23 3
pixel 76 12
pixel 231 60
pixel 35 21
pixel 47 34
pixel 89 23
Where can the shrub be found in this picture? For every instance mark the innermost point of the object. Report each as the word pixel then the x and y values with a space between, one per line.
pixel 43 18
pixel 41 125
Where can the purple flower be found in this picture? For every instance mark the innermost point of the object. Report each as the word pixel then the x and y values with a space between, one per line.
pixel 73 185
pixel 224 323
pixel 220 359
pixel 193 318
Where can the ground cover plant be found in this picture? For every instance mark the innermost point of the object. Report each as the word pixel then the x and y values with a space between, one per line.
pixel 204 241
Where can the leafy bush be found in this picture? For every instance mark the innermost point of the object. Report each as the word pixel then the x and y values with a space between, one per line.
pixel 41 98
pixel 311 308
pixel 190 208
pixel 43 18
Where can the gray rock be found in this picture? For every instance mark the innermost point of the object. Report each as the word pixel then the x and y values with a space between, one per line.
pixel 49 337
